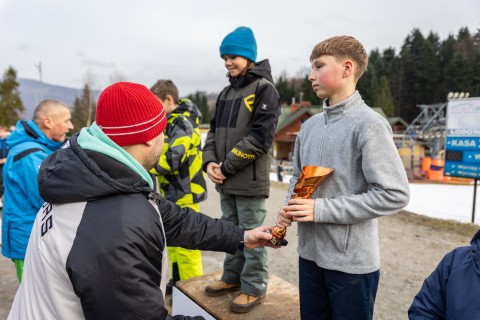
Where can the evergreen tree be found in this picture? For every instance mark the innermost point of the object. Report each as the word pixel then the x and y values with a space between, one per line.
pixel 446 55
pixel 201 100
pixel 383 98
pixel 393 73
pixel 368 84
pixel 415 65
pixel 84 108
pixel 308 93
pixel 285 89
pixel 11 105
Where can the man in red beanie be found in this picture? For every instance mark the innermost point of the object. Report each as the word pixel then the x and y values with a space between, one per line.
pixel 98 245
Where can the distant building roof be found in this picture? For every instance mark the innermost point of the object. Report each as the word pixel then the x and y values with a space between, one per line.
pixel 391 120
pixel 380 111
pixel 394 120
pixel 286 117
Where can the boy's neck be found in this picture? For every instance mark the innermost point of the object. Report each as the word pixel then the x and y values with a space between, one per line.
pixel 341 95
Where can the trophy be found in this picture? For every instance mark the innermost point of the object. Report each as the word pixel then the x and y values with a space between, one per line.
pixel 309 180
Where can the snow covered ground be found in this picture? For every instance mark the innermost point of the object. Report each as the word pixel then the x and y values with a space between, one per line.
pixel 442 201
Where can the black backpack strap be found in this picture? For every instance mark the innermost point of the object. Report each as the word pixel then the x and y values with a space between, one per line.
pixel 26 153
pixel 3 148
pixel 29 130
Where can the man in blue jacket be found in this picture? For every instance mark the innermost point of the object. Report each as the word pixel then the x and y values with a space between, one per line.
pixel 452 291
pixel 29 144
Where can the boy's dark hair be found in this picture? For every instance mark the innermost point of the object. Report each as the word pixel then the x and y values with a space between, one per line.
pixel 162 88
pixel 343 47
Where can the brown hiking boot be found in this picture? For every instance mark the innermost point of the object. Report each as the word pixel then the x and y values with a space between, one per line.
pixel 219 288
pixel 244 303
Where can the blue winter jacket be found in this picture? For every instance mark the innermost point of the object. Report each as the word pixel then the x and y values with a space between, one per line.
pixel 452 291
pixel 28 147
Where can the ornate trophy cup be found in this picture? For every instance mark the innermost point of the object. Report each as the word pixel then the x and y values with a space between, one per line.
pixel 309 180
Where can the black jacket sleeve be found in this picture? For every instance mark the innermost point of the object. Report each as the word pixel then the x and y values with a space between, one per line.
pixel 188 229
pixel 209 149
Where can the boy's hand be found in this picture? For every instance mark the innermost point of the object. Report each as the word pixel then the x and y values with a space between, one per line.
pixel 301 210
pixel 212 172
pixel 258 237
pixel 219 172
pixel 284 219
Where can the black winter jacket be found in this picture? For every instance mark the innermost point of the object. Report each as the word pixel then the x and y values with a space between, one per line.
pixel 242 131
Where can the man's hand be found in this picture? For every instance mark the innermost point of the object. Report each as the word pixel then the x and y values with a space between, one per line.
pixel 300 210
pixel 212 172
pixel 259 237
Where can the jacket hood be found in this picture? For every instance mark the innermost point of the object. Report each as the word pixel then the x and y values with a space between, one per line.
pixel 72 174
pixel 475 251
pixel 29 131
pixel 261 70
pixel 187 108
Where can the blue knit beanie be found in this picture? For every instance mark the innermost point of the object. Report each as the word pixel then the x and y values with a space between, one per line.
pixel 240 42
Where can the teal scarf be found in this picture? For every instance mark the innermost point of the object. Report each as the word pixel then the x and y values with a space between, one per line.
pixel 93 138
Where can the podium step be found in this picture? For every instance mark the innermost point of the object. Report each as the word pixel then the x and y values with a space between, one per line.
pixel 281 301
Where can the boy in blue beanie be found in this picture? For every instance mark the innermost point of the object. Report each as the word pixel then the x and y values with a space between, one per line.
pixel 236 159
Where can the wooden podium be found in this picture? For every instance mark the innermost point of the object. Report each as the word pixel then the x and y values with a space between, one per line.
pixel 189 298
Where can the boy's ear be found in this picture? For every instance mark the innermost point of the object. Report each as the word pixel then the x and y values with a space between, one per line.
pixel 348 68
pixel 169 98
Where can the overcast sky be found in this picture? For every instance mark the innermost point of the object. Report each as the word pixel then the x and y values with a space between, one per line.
pixel 102 41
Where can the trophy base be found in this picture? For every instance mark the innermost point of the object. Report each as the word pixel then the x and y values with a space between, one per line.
pixel 279 242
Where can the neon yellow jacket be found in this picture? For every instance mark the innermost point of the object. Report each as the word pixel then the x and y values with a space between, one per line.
pixel 179 170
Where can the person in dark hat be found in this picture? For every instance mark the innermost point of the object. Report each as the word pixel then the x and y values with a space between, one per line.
pixel 236 159
pixel 98 248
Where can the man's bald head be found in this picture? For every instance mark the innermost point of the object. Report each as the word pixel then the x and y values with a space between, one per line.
pixel 47 108
pixel 53 118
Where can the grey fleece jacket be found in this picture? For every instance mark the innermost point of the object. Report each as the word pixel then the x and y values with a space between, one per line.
pixel 369 181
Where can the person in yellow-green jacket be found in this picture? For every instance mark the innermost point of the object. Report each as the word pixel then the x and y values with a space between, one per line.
pixel 179 170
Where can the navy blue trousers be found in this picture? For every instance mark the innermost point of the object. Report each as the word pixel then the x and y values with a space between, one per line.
pixel 334 295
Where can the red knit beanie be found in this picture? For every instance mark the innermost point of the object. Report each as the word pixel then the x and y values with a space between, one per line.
pixel 129 113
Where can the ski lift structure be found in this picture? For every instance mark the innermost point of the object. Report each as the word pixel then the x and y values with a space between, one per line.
pixel 425 135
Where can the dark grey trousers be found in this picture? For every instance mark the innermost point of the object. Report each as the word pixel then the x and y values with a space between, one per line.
pixel 250 266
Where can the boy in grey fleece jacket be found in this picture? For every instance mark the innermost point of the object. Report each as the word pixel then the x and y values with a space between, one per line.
pixel 337 227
